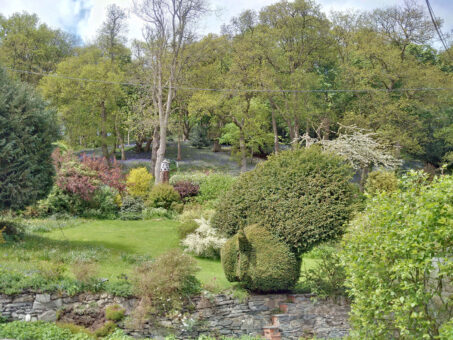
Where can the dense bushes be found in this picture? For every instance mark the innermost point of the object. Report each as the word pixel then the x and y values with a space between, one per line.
pixel 165 284
pixel 398 256
pixel 131 208
pixel 162 196
pixel 139 182
pixel 379 181
pixel 204 240
pixel 186 189
pixel 27 130
pixel 259 261
pixel 303 196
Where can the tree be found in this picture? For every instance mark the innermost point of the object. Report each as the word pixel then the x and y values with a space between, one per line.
pixel 167 34
pixel 91 115
pixel 30 46
pixel 27 130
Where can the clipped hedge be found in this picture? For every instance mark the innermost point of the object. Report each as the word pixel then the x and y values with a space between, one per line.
pixel 259 261
pixel 302 196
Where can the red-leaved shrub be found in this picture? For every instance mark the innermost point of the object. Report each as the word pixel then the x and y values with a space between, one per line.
pixel 84 177
pixel 186 189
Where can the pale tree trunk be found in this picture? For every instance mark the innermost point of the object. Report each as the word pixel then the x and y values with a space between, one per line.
pixel 178 157
pixel 274 129
pixel 104 146
pixel 155 147
pixel 162 149
pixel 123 153
pixel 363 177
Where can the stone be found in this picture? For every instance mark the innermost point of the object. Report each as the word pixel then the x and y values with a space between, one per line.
pixel 49 316
pixel 42 298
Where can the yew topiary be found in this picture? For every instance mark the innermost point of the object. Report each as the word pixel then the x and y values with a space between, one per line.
pixel 302 196
pixel 258 260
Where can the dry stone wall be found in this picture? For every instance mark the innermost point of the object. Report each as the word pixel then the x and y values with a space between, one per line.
pixel 280 315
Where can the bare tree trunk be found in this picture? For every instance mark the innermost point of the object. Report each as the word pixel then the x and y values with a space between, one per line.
pixel 274 129
pixel 178 157
pixel 154 149
pixel 243 151
pixel 162 149
pixel 148 145
pixel 216 147
pixel 363 177
pixel 123 153
pixel 104 147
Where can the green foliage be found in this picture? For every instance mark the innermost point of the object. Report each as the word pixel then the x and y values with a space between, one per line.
pixel 150 213
pixel 259 261
pixel 139 182
pixel 398 260
pixel 162 196
pixel 38 330
pixel 131 208
pixel 214 186
pixel 187 228
pixel 108 328
pixel 379 181
pixel 165 284
pixel 27 131
pixel 327 278
pixel 104 204
pixel 303 196
pixel 115 313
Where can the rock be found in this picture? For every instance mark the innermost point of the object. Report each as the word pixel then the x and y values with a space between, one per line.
pixel 50 316
pixel 42 298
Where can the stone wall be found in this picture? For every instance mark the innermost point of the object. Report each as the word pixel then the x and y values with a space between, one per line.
pixel 275 315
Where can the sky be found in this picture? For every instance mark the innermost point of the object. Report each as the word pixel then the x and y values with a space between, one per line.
pixel 84 17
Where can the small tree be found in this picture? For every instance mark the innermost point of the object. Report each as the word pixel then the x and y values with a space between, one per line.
pixel 27 130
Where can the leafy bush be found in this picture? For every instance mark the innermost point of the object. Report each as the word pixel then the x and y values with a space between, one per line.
pixel 27 131
pixel 165 284
pixel 187 228
pixel 131 208
pixel 204 241
pixel 194 177
pixel 259 261
pixel 379 181
pixel 38 330
pixel 11 230
pixel 103 204
pixel 303 196
pixel 139 182
pixel 214 186
pixel 115 313
pixel 398 256
pixel 186 189
pixel 150 213
pixel 162 196
pixel 108 328
pixel 327 278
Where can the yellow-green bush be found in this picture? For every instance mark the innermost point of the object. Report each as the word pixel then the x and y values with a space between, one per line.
pixel 259 261
pixel 379 181
pixel 139 182
pixel 115 313
pixel 162 196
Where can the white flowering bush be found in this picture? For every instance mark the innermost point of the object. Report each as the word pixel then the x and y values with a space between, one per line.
pixel 204 242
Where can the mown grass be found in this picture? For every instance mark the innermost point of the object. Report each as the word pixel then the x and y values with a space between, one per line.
pixel 115 246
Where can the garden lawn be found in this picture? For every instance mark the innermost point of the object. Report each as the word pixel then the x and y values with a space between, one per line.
pixel 115 246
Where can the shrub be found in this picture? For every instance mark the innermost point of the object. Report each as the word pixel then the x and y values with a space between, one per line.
pixel 259 261
pixel 165 284
pixel 327 278
pixel 139 182
pixel 103 204
pixel 150 213
pixel 187 228
pixel 303 196
pixel 186 189
pixel 11 230
pixel 194 177
pixel 38 330
pixel 379 181
pixel 108 328
pixel 162 196
pixel 204 241
pixel 115 313
pixel 177 207
pixel 85 271
pixel 214 186
pixel 398 256
pixel 27 131
pixel 131 208
pixel 110 175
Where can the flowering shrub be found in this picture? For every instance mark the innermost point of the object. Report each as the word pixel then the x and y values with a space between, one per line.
pixel 139 182
pixel 204 242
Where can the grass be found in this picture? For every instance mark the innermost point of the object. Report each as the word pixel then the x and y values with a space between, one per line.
pixel 114 245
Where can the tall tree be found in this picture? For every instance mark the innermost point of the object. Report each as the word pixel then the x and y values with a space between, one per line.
pixel 30 46
pixel 168 24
